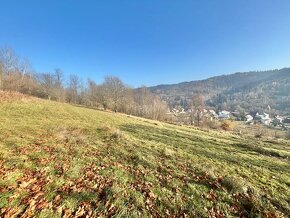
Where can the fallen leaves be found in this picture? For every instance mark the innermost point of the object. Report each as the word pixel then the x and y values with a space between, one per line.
pixel 246 204
pixel 32 183
pixel 97 190
pixel 11 96
pixel 215 213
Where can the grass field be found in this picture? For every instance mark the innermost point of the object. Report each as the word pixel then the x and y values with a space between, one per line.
pixel 58 160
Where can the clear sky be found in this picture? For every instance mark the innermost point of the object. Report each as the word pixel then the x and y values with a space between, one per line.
pixel 148 41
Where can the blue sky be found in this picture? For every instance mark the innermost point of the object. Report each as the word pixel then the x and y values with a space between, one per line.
pixel 148 42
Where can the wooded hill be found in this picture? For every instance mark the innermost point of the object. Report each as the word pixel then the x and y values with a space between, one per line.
pixel 250 91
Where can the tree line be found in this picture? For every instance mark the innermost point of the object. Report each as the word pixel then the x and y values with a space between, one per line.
pixel 16 74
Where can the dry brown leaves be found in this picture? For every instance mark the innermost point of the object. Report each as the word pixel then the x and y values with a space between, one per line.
pixel 244 204
pixel 90 182
pixel 215 213
pixel 10 96
pixel 31 183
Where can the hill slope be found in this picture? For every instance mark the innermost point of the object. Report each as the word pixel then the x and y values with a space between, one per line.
pixel 252 91
pixel 61 160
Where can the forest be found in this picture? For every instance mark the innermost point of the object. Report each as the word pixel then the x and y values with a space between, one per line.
pixel 248 92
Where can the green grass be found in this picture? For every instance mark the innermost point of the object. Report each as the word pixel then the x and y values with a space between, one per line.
pixel 59 160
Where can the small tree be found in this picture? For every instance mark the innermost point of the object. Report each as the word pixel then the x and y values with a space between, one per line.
pixel 197 107
pixel 73 89
pixel 143 99
pixel 115 90
pixel 47 85
pixel 59 89
pixel 159 108
pixel 9 60
pixel 10 69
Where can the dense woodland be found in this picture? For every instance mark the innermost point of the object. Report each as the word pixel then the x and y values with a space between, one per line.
pixel 16 74
pixel 265 91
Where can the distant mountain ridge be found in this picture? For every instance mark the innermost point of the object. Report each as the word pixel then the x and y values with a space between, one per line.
pixel 249 91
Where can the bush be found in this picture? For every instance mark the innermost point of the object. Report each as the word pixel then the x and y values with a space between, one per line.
pixel 111 133
pixel 211 124
pixel 116 134
pixel 263 132
pixel 259 134
pixel 232 184
pixel 227 125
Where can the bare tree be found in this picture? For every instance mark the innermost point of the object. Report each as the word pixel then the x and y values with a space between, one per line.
pixel 128 104
pixel 31 85
pixel 115 90
pixel 102 96
pixel 10 71
pixel 197 106
pixel 9 60
pixel 59 89
pixel 143 99
pixel 73 88
pixel 17 74
pixel 92 92
pixel 159 109
pixel 47 85
pixel 27 82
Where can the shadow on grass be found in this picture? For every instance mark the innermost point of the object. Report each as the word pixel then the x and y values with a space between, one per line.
pixel 262 151
pixel 199 145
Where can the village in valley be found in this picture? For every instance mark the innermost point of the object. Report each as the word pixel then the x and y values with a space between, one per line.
pixel 189 116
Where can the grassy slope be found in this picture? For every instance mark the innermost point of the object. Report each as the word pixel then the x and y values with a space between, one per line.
pixel 61 160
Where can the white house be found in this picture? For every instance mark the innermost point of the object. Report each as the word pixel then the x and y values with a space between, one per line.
pixel 264 118
pixel 249 118
pixel 277 121
pixel 223 115
pixel 213 114
pixel 286 122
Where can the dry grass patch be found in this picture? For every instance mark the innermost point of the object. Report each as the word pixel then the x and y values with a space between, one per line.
pixel 11 96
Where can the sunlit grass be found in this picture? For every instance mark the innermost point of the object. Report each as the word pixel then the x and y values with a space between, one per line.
pixel 114 164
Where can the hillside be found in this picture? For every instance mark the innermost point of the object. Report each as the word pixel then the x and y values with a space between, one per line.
pixel 251 91
pixel 58 160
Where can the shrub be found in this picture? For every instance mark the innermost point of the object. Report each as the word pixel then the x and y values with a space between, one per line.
pixel 232 184
pixel 116 134
pixel 263 132
pixel 277 135
pixel 211 124
pixel 111 133
pixel 259 134
pixel 227 125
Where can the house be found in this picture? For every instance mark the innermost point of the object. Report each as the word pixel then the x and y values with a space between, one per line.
pixel 182 111
pixel 259 116
pixel 277 121
pixel 286 122
pixel 223 115
pixel 264 118
pixel 236 114
pixel 213 114
pixel 249 118
pixel 266 121
pixel 189 110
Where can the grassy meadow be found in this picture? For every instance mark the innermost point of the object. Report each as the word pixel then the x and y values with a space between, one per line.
pixel 59 160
